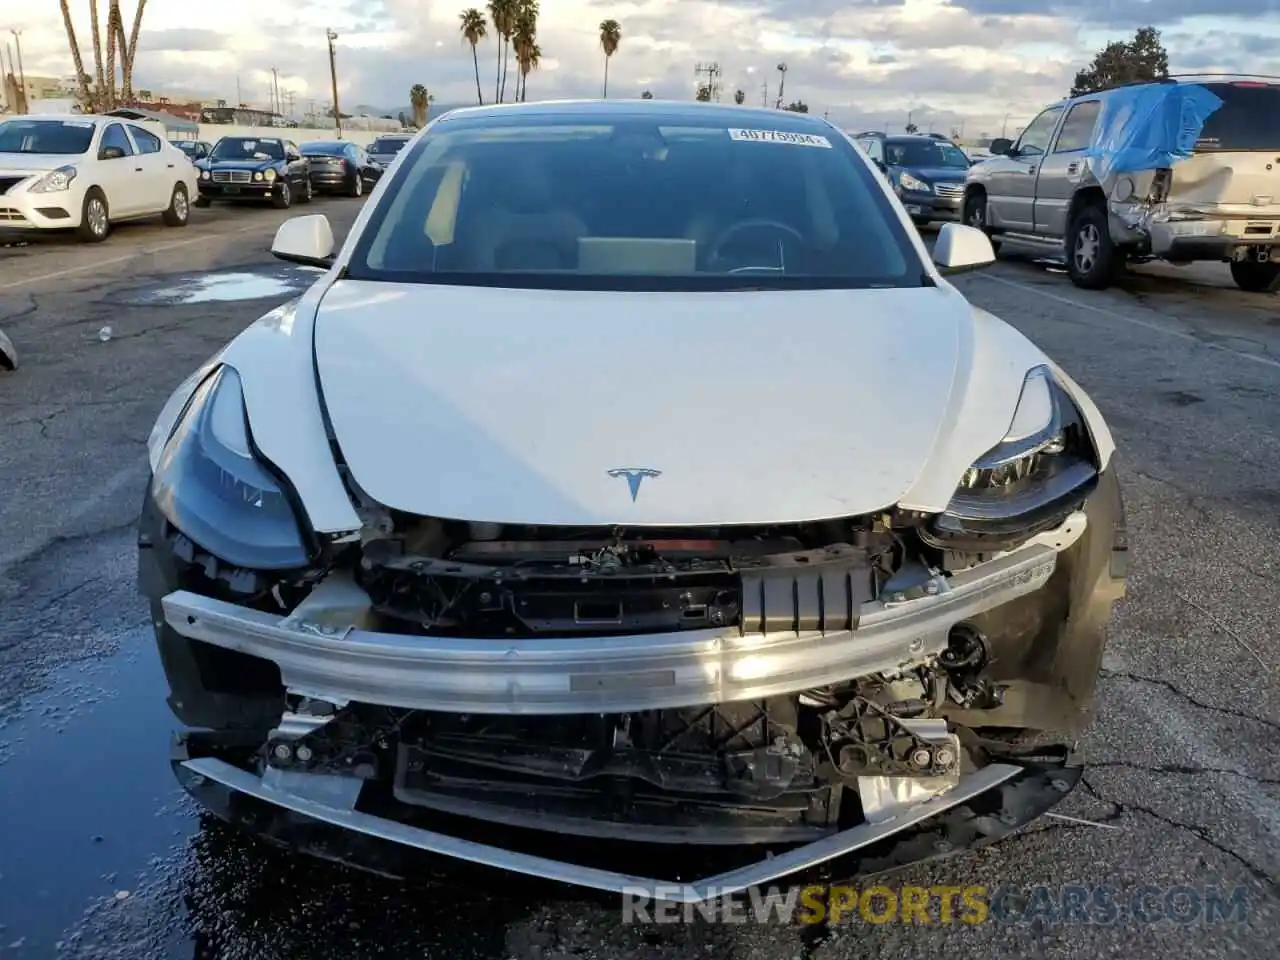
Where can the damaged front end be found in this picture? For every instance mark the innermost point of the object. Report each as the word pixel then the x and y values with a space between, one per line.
pixel 862 691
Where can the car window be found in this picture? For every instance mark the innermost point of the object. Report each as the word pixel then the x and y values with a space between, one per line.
pixel 1249 118
pixel 925 153
pixel 114 136
pixel 147 142
pixel 247 148
pixel 58 137
pixel 537 201
pixel 1077 129
pixel 873 147
pixel 321 148
pixel 1035 139
pixel 387 145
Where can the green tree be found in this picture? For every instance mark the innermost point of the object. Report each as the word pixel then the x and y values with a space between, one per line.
pixel 797 106
pixel 911 128
pixel 502 13
pixel 524 41
pixel 610 38
pixel 739 97
pixel 474 28
pixel 420 101
pixel 1141 59
pixel 703 93
pixel 647 95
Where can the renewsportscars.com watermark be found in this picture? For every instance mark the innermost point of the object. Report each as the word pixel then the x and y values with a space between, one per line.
pixel 1043 904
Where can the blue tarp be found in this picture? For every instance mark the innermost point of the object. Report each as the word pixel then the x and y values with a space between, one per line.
pixel 1149 126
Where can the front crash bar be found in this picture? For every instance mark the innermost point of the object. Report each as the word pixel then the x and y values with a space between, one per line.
pixel 544 676
pixel 197 773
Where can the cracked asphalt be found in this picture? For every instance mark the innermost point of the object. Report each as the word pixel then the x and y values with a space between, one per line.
pixel 101 856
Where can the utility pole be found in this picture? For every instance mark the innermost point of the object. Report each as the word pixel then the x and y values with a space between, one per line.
pixel 22 74
pixel 782 83
pixel 333 76
pixel 712 72
pixel 275 90
pixel 239 96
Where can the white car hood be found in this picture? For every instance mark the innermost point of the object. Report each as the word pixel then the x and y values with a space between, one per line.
pixel 514 406
pixel 19 164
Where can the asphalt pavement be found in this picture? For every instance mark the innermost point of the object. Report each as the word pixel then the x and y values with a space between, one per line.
pixel 101 856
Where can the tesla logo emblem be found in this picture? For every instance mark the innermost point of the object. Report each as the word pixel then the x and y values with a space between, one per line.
pixel 635 476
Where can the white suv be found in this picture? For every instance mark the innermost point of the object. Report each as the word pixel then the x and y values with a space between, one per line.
pixel 85 173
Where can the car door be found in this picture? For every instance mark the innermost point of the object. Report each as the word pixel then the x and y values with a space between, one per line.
pixel 120 178
pixel 1062 168
pixel 159 168
pixel 297 167
pixel 1011 183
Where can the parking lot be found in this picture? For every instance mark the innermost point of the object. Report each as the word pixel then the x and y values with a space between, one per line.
pixel 101 856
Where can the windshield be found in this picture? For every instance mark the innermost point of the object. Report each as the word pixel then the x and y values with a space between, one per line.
pixel 1249 118
pixel 387 146
pixel 542 201
pixel 320 149
pixel 924 153
pixel 239 148
pixel 186 146
pixel 64 137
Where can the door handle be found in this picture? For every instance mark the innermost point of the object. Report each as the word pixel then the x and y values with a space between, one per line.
pixel 1031 169
pixel 137 169
pixel 1073 167
pixel 171 166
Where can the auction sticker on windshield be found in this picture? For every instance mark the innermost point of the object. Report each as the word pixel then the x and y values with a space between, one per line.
pixel 781 136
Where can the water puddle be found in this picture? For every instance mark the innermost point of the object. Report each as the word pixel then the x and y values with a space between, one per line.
pixel 273 282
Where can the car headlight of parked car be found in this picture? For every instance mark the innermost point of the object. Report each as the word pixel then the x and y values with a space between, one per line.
pixel 1030 481
pixel 269 175
pixel 907 182
pixel 212 486
pixel 204 174
pixel 55 181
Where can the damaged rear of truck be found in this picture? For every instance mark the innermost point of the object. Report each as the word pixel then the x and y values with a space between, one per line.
pixel 1182 170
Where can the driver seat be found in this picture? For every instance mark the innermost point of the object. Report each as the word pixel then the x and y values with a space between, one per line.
pixel 521 225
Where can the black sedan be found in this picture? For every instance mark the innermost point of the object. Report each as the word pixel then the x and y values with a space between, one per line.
pixel 338 166
pixel 254 168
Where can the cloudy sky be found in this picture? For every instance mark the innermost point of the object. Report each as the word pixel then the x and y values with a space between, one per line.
pixel 867 62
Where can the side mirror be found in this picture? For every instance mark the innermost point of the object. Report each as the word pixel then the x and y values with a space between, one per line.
pixel 291 156
pixel 306 240
pixel 110 153
pixel 960 248
pixel 201 153
pixel 1001 146
pixel 884 167
pixel 8 353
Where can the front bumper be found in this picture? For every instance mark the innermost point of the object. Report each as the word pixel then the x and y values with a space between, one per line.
pixel 321 655
pixel 930 206
pixel 39 211
pixel 237 191
pixel 323 816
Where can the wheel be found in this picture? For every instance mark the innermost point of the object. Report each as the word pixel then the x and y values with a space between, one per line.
pixel 357 188
pixel 95 218
pixel 1093 259
pixel 975 215
pixel 283 197
pixel 1255 277
pixel 179 210
pixel 308 191
pixel 203 202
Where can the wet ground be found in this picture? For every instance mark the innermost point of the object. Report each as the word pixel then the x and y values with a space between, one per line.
pixel 100 855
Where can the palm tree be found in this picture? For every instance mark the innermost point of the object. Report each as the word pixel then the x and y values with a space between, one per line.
pixel 100 86
pixel 739 97
pixel 132 50
pixel 529 61
pixel 647 95
pixel 419 100
pixel 524 39
pixel 503 14
pixel 75 54
pixel 610 37
pixel 474 29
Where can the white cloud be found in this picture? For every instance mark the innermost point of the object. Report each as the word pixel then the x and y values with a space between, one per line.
pixel 865 61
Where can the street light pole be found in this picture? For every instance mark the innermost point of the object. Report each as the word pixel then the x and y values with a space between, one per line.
pixel 22 75
pixel 333 76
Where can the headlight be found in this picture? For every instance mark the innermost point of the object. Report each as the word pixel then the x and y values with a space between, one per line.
pixel 907 182
pixel 270 175
pixel 257 175
pixel 204 174
pixel 209 484
pixel 55 181
pixel 1041 471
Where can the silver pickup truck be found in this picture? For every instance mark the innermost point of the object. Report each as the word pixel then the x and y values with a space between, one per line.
pixel 1099 180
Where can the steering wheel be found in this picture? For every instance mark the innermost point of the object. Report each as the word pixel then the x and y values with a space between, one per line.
pixel 716 252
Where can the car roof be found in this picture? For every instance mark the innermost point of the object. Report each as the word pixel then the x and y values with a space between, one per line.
pixel 730 115
pixel 95 119
pixel 914 137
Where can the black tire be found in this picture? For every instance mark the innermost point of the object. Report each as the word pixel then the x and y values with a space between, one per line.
pixel 179 211
pixel 203 202
pixel 1093 259
pixel 1254 277
pixel 975 215
pixel 356 189
pixel 282 197
pixel 308 191
pixel 95 217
